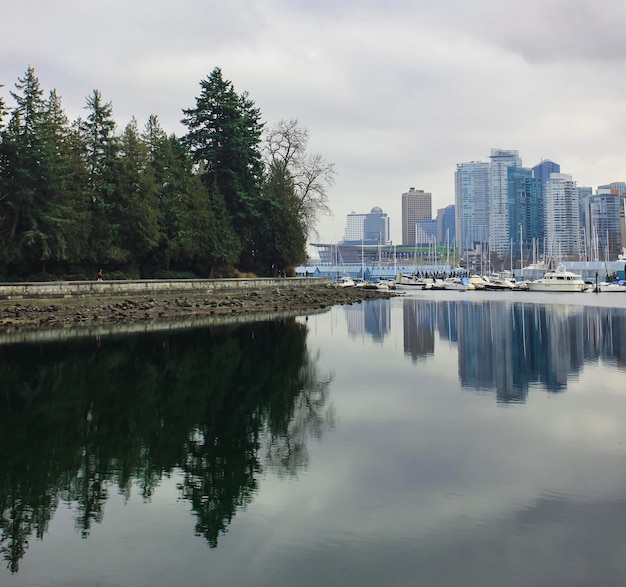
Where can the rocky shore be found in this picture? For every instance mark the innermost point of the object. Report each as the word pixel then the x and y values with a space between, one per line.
pixel 38 313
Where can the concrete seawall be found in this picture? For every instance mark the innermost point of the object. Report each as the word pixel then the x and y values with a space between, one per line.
pixel 76 289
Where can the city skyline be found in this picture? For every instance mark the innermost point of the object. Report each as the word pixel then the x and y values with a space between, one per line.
pixel 552 214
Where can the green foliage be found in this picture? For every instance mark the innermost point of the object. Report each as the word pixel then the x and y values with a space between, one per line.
pixel 77 196
pixel 223 136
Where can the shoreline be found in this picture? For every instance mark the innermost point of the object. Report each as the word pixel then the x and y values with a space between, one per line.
pixel 29 314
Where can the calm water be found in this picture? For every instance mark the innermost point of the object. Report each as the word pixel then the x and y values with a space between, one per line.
pixel 438 439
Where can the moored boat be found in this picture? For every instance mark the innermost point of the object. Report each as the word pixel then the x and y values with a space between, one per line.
pixel 498 284
pixel 456 283
pixel 559 280
pixel 614 286
pixel 343 281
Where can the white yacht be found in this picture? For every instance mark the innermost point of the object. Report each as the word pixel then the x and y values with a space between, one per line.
pixel 606 286
pixel 558 280
pixel 456 283
pixel 344 281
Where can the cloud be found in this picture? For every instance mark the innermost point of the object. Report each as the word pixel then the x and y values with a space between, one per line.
pixel 394 94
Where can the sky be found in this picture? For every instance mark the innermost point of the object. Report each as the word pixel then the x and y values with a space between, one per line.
pixel 393 93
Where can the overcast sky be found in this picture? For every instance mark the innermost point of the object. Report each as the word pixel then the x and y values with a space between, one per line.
pixel 394 93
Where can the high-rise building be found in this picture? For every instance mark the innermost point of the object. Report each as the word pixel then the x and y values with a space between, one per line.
pixel 602 230
pixel 446 225
pixel 501 160
pixel 562 216
pixel 542 171
pixel 426 232
pixel 471 196
pixel 416 206
pixel 526 221
pixel 368 229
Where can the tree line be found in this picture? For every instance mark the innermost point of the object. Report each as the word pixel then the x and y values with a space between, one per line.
pixel 231 196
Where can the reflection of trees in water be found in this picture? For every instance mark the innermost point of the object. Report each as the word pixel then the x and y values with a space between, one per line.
pixel 217 405
pixel 285 447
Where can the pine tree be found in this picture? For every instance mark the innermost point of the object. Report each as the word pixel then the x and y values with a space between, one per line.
pixel 101 153
pixel 224 131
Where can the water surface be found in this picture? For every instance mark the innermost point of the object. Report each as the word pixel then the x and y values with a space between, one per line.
pixel 434 439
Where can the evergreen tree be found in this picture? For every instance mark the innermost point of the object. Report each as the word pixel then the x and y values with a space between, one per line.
pixel 285 236
pixel 101 152
pixel 39 170
pixel 135 209
pixel 195 229
pixel 224 131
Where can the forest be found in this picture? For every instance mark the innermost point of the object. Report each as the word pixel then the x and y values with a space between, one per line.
pixel 234 196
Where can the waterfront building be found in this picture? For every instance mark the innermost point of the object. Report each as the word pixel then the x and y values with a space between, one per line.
pixel 368 229
pixel 471 195
pixel 426 232
pixel 446 225
pixel 416 206
pixel 499 236
pixel 601 220
pixel 562 216
pixel 525 209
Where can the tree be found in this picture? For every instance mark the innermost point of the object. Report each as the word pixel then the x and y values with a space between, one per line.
pixel 196 230
pixel 135 209
pixel 39 170
pixel 285 242
pixel 101 152
pixel 285 150
pixel 224 132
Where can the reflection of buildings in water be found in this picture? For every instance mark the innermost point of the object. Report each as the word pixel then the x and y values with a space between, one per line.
pixel 562 348
pixel 372 317
pixel 508 346
pixel 605 338
pixel 419 318
pixel 447 321
pixel 490 350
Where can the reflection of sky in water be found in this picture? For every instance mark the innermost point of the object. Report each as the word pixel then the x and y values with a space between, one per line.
pixel 451 463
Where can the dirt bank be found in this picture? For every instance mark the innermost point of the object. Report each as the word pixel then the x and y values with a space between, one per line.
pixel 24 314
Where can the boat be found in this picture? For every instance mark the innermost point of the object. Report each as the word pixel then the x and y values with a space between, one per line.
pixel 559 280
pixel 436 283
pixel 380 284
pixel 498 284
pixel 344 281
pixel 607 286
pixel 477 281
pixel 410 281
pixel 456 284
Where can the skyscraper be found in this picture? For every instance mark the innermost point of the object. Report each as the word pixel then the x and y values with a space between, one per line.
pixel 446 226
pixel 416 206
pixel 501 160
pixel 602 225
pixel 526 221
pixel 471 196
pixel 541 172
pixel 562 216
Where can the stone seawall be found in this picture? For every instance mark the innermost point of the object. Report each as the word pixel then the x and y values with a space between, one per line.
pixel 78 289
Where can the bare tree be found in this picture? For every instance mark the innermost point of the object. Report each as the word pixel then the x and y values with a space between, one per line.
pixel 285 151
